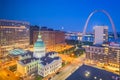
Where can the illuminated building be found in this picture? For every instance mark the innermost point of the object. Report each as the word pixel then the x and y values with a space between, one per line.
pixel 72 36
pixel 108 54
pixel 88 37
pixel 96 53
pixel 32 29
pixel 50 36
pixel 100 34
pixel 13 34
pixel 39 61
pixel 39 48
pixel 78 36
pixel 114 48
pixel 15 53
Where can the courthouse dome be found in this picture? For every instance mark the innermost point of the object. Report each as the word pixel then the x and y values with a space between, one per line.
pixel 39 42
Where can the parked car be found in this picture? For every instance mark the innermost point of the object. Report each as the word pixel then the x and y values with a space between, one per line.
pixel 57 72
pixel 49 78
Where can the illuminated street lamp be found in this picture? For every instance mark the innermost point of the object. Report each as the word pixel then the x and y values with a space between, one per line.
pixel 87 73
pixel 100 79
pixel 95 77
pixel 72 54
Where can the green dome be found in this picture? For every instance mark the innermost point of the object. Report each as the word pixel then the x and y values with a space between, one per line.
pixel 39 44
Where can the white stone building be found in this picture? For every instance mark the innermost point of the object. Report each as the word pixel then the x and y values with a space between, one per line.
pixel 39 61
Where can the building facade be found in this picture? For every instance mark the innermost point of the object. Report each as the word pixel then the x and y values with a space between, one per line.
pixel 32 29
pixel 49 65
pixel 100 34
pixel 108 55
pixel 39 61
pixel 13 34
pixel 49 36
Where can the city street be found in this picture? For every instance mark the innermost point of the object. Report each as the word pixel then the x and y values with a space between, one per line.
pixel 7 75
pixel 65 72
pixel 7 64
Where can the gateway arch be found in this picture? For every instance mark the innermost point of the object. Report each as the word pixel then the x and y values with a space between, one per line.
pixel 109 17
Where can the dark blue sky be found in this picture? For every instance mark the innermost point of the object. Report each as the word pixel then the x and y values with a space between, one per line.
pixel 71 14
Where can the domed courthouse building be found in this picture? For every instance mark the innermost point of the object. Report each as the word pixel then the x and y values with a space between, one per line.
pixel 39 61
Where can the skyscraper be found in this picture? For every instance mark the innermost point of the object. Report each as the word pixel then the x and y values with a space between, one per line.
pixel 100 34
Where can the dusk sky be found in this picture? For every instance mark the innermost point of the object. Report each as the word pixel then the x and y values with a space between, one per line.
pixel 70 14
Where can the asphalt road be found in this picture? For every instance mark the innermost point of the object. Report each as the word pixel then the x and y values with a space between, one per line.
pixel 7 75
pixel 69 69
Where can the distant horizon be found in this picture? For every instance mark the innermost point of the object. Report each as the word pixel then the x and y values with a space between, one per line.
pixel 59 29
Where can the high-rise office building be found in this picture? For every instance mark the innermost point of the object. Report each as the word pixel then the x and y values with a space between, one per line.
pixel 100 34
pixel 50 37
pixel 13 34
pixel 32 29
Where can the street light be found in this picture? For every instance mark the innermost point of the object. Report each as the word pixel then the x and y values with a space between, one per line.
pixel 95 77
pixel 100 79
pixel 87 73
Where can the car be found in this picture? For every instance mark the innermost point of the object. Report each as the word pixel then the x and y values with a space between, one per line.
pixel 116 70
pixel 57 72
pixel 49 78
pixel 20 78
pixel 103 67
pixel 32 74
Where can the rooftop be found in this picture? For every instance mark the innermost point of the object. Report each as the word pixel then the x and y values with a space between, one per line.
pixel 90 73
pixel 50 53
pixel 28 53
pixel 29 60
pixel 16 52
pixel 48 60
pixel 45 60
pixel 98 45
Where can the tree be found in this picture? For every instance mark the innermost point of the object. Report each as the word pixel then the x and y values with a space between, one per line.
pixel 38 77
